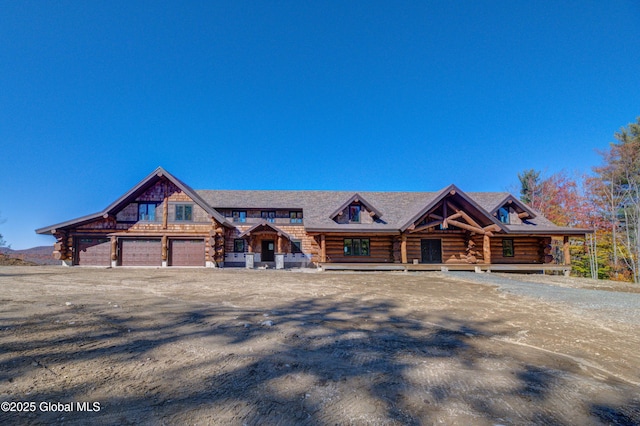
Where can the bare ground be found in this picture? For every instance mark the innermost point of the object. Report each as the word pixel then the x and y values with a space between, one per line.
pixel 195 346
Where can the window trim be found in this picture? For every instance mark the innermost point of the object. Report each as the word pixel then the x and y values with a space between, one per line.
pixel 508 249
pixel 351 252
pixel 183 207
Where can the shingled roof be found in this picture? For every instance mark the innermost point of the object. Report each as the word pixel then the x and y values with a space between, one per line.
pixel 395 209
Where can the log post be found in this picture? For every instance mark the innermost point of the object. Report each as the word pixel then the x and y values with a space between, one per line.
pixel 165 213
pixel 486 249
pixel 566 250
pixel 403 248
pixel 279 244
pixel 165 250
pixel 114 250
pixel 323 249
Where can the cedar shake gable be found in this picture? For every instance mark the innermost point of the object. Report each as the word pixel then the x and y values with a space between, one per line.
pixel 118 205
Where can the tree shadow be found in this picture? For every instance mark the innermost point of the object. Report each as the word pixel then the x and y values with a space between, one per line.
pixel 314 361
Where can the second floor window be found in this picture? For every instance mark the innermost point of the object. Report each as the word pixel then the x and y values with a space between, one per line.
pixel 295 217
pixel 239 216
pixel 146 211
pixel 184 212
pixel 269 216
pixel 354 213
pixel 503 215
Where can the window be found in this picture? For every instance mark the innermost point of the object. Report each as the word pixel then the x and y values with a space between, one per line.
pixel 354 213
pixel 239 216
pixel 146 211
pixel 356 247
pixel 269 216
pixel 295 217
pixel 184 212
pixel 238 245
pixel 503 215
pixel 507 248
pixel 296 246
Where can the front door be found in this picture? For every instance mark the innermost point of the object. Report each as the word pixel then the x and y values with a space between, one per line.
pixel 268 250
pixel 431 250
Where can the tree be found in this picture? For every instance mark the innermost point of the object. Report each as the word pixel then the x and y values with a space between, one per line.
pixel 3 243
pixel 530 186
pixel 617 189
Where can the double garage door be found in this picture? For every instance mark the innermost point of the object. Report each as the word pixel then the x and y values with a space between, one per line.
pixel 140 252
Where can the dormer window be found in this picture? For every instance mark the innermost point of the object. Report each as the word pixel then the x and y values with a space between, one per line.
pixel 503 215
pixel 354 213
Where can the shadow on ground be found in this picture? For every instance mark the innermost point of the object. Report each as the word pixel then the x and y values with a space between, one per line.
pixel 315 361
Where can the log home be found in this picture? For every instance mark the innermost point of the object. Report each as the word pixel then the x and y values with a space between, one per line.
pixel 163 222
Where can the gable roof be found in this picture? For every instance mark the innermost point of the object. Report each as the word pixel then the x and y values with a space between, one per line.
pixel 265 224
pixel 126 198
pixel 452 191
pixel 356 198
pixel 400 209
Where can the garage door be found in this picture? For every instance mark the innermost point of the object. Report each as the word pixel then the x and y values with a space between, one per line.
pixel 93 252
pixel 186 252
pixel 140 253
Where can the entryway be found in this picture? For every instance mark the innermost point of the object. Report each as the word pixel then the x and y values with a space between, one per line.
pixel 431 250
pixel 268 251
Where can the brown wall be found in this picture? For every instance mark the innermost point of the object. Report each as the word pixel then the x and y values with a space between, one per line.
pixel 381 249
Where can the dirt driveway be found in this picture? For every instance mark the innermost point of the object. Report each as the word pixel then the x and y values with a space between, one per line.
pixel 195 346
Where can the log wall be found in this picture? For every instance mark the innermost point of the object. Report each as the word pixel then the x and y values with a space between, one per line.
pixel 381 249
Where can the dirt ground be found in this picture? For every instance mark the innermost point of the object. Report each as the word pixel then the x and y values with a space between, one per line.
pixel 195 346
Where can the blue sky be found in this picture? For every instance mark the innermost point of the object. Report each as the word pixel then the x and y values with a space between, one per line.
pixel 355 95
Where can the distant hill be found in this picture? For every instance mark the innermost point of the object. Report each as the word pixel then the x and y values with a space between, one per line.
pixel 42 255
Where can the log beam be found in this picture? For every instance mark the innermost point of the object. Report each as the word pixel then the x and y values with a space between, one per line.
pixel 467 227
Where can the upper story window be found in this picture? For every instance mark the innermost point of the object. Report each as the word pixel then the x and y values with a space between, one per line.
pixel 147 211
pixel 354 213
pixel 295 217
pixel 184 212
pixel 239 216
pixel 269 216
pixel 503 215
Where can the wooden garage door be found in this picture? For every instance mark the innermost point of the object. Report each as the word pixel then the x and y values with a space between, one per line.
pixel 186 252
pixel 141 252
pixel 93 252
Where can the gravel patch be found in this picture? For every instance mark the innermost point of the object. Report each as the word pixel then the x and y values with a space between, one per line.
pixel 616 305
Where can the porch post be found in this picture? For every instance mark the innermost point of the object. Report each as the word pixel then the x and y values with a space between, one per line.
pixel 114 251
pixel 566 250
pixel 323 249
pixel 165 251
pixel 486 249
pixel 403 248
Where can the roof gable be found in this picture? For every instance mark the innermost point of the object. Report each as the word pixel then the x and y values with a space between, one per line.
pixel 140 188
pixel 450 206
pixel 356 198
